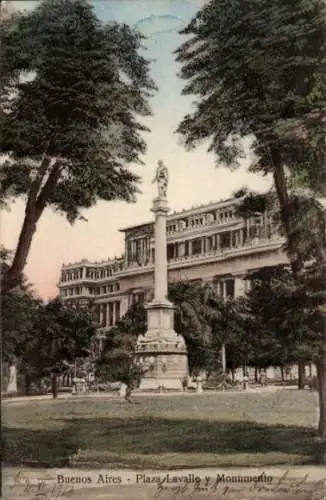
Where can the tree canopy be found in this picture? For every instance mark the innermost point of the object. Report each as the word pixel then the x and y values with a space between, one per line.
pixel 43 339
pixel 258 69
pixel 74 91
pixel 203 318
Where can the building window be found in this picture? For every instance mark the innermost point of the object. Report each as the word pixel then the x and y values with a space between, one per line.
pixel 111 313
pixel 225 240
pixel 169 251
pixel 196 246
pixel 229 288
pixel 117 312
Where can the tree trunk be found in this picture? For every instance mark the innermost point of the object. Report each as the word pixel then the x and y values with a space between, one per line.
pixel 256 374
pixel 12 276
pixel 27 384
pixel 297 266
pixel 285 208
pixel 301 375
pixel 282 373
pixel 54 386
pixel 321 388
pixel 37 200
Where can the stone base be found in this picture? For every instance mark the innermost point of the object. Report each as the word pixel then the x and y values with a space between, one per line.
pixel 152 384
pixel 165 363
pixel 161 351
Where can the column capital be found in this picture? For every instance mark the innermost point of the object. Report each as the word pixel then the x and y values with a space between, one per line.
pixel 160 205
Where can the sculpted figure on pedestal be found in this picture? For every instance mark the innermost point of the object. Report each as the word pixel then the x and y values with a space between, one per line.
pixel 162 179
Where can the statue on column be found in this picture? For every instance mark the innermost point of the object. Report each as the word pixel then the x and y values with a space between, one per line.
pixel 162 179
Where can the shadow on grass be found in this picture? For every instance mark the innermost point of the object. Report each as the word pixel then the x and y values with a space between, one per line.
pixel 146 436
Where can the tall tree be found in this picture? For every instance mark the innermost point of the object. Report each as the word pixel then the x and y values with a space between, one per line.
pixel 258 69
pixel 73 91
pixel 283 328
pixel 60 335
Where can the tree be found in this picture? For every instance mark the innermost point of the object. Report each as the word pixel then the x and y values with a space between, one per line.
pixel 72 95
pixel 198 313
pixel 268 83
pixel 58 335
pixel 19 312
pixel 19 309
pixel 117 361
pixel 198 309
pixel 282 326
pixel 231 330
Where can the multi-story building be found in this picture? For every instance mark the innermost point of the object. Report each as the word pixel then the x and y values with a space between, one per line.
pixel 209 243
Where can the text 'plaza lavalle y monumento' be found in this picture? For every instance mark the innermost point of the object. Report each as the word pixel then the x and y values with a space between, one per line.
pixel 209 244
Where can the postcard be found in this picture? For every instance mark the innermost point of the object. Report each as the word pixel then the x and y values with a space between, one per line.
pixel 163 249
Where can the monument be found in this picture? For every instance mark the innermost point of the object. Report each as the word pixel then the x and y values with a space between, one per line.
pixel 161 351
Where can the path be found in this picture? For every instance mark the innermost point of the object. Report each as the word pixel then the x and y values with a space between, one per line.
pixel 135 394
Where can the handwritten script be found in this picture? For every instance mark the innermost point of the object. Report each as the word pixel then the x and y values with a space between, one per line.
pixel 285 486
pixel 40 489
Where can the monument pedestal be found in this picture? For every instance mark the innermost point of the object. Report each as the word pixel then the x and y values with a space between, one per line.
pixel 161 351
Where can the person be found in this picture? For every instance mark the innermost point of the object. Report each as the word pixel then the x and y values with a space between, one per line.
pixel 128 394
pixel 262 378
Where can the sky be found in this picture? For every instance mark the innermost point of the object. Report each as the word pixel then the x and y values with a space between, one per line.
pixel 194 177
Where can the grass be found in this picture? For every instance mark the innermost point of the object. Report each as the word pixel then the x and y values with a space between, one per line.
pixel 225 429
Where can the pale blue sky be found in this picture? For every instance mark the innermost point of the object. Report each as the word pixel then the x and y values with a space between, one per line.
pixel 194 179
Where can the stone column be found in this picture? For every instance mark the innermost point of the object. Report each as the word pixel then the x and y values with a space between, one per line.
pixel 107 312
pixel 113 313
pixel 239 286
pixel 241 238
pixel 160 209
pixel 101 314
pixel 124 305
pixel 217 239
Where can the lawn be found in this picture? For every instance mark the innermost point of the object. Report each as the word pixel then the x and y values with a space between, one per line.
pixel 225 429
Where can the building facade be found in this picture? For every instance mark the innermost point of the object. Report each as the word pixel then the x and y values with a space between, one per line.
pixel 209 244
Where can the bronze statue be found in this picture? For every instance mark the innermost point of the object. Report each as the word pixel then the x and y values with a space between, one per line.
pixel 162 178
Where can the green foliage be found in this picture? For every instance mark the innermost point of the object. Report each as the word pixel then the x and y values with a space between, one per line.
pixel 258 70
pixel 197 310
pixel 62 335
pixel 43 339
pixel 232 330
pixel 204 320
pixel 79 106
pixel 283 320
pixel 18 313
pixel 307 219
pixel 117 358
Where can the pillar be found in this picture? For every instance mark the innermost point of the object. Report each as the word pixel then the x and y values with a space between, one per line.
pixel 107 312
pixel 124 305
pixel 101 314
pixel 113 313
pixel 241 237
pixel 160 210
